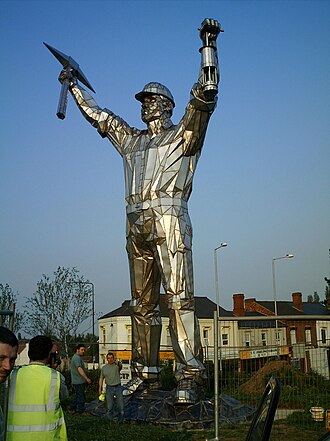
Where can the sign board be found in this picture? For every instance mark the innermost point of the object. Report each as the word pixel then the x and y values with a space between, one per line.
pixel 127 355
pixel 262 353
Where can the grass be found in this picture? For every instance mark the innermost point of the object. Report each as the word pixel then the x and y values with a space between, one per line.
pixel 297 391
pixel 91 428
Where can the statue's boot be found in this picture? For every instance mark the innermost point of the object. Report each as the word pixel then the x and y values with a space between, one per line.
pixel 186 392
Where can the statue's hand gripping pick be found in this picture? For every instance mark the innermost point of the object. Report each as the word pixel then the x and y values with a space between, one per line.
pixel 159 165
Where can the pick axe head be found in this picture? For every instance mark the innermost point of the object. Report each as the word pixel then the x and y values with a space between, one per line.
pixel 70 64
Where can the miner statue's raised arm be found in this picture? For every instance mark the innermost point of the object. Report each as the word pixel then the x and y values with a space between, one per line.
pixel 159 165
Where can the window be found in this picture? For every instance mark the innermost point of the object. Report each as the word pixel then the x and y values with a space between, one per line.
pixel 225 339
pixel 277 337
pixel 103 333
pixel 293 336
pixel 168 337
pixel 129 333
pixel 308 336
pixel 323 336
pixel 263 339
pixel 206 336
pixel 247 339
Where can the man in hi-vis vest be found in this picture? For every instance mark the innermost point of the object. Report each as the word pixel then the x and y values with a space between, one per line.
pixel 34 409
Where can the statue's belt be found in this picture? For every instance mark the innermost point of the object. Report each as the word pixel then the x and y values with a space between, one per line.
pixel 161 202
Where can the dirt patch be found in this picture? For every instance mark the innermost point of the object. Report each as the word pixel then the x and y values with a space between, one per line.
pixel 256 384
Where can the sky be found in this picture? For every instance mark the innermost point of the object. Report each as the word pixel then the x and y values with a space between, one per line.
pixel 262 183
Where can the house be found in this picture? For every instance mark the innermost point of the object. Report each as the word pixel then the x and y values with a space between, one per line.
pixel 304 336
pixel 22 354
pixel 115 329
pixel 246 337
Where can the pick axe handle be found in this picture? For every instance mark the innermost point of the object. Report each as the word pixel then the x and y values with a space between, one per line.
pixel 63 101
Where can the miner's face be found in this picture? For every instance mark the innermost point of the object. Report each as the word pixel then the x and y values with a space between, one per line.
pixel 152 108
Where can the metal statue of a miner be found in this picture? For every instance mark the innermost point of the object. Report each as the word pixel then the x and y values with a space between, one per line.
pixel 159 165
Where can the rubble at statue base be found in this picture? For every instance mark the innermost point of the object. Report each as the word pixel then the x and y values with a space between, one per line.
pixel 157 407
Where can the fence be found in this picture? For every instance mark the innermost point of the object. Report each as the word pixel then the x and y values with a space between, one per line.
pixel 294 349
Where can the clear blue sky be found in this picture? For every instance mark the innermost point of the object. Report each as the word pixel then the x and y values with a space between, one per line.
pixel 262 183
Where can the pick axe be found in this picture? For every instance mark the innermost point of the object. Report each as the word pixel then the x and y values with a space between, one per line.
pixel 69 64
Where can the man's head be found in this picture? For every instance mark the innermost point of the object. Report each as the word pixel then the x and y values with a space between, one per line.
pixel 80 349
pixel 156 101
pixel 8 352
pixel 40 348
pixel 110 358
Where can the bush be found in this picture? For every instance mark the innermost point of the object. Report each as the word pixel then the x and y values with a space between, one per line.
pixel 91 389
pixel 167 378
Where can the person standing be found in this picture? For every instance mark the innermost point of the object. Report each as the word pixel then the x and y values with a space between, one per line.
pixel 79 378
pixel 34 406
pixel 8 355
pixel 110 373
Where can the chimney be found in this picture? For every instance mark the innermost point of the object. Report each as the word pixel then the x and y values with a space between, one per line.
pixel 297 301
pixel 239 309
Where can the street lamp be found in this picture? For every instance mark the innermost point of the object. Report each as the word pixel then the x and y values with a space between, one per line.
pixel 222 245
pixel 216 344
pixel 79 282
pixel 287 256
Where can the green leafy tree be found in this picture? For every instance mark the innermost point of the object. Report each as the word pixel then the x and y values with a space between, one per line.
pixel 7 298
pixel 59 306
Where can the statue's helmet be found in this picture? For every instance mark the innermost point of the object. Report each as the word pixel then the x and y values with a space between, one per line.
pixel 155 89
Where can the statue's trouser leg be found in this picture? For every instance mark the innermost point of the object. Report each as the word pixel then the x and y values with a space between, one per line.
pixel 146 320
pixel 175 258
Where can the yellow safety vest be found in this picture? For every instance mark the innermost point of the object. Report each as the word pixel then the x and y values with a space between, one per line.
pixel 34 408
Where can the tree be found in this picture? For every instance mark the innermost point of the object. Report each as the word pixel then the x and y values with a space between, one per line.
pixel 59 306
pixel 7 298
pixel 327 292
pixel 315 298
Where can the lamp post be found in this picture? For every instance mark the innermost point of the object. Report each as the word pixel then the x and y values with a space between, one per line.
pixel 216 344
pixel 287 256
pixel 93 307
